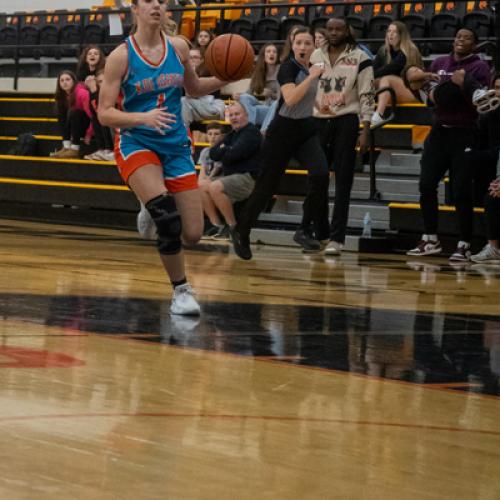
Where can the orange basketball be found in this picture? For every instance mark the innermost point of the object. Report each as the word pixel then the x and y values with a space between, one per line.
pixel 229 57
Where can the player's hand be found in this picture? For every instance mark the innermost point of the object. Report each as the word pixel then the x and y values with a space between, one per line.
pixel 316 70
pixel 159 119
pixel 458 77
pixel 90 83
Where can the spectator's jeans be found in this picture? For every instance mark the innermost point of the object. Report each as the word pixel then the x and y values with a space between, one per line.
pixel 258 112
pixel 492 215
pixel 287 138
pixel 338 137
pixel 201 108
pixel 445 150
pixel 73 125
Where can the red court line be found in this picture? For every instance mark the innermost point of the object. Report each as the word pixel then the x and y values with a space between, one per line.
pixel 278 418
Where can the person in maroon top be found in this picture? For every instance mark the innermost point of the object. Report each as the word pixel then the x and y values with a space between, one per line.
pixel 450 90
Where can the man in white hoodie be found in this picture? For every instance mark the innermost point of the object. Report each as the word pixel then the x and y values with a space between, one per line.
pixel 345 97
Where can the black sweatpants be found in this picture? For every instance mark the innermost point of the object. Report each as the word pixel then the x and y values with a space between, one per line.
pixel 492 215
pixel 288 138
pixel 338 137
pixel 73 125
pixel 102 134
pixel 445 150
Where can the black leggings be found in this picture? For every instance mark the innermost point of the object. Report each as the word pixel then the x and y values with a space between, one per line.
pixel 338 137
pixel 73 125
pixel 445 149
pixel 288 138
pixel 492 215
pixel 102 135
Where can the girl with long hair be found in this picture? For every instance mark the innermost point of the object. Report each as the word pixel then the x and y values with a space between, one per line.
pixel 397 53
pixel 147 74
pixel 263 91
pixel 73 114
pixel 91 60
pixel 202 40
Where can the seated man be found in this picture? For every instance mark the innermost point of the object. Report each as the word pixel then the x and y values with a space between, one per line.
pixel 239 153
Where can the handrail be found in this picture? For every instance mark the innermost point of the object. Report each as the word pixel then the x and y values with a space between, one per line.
pixel 374 193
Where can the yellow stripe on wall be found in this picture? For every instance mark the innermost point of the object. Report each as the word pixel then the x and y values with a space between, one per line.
pixel 442 208
pixel 26 119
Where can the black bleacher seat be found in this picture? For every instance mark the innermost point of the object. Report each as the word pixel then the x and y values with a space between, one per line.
pixel 245 25
pixel 8 36
pixel 71 33
pixel 479 18
pixel 324 12
pixel 383 16
pixel 416 17
pixel 93 30
pixel 114 40
pixel 29 34
pixel 49 32
pixel 358 16
pixel 268 26
pixel 444 24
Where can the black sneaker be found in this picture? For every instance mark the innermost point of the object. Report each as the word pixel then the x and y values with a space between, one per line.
pixel 222 233
pixel 241 244
pixel 210 232
pixel 306 241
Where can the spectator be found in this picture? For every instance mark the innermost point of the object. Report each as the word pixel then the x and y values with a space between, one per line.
pixel 263 84
pixel 200 108
pixel 345 95
pixel 393 57
pixel 489 126
pixel 209 171
pixel 452 136
pixel 73 114
pixel 320 38
pixel 202 40
pixel 239 154
pixel 91 61
pixel 292 133
pixel 102 135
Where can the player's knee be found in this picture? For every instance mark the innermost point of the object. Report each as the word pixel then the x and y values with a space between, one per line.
pixel 216 188
pixel 168 223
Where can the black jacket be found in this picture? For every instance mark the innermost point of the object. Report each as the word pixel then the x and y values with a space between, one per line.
pixel 239 151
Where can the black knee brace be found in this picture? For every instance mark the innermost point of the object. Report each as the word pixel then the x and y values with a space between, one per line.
pixel 168 223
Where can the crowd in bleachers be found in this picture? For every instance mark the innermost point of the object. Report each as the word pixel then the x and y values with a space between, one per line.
pixel 343 100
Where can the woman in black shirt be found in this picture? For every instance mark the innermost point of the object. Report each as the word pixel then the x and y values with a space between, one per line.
pixel 292 134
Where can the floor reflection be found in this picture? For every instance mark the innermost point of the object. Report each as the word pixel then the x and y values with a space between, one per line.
pixel 455 350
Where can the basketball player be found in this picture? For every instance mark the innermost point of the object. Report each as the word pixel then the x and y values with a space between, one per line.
pixel 146 75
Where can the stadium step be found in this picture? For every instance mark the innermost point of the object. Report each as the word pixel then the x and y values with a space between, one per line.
pixel 27 106
pixel 401 136
pixel 15 125
pixel 46 144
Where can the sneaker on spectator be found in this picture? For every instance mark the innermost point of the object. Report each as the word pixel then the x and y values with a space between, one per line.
pixel 462 253
pixel 222 233
pixel 306 241
pixel 105 155
pixel 377 119
pixel 184 301
pixel 489 254
pixel 334 248
pixel 241 244
pixel 57 152
pixel 145 224
pixel 93 156
pixel 210 232
pixel 426 246
pixel 68 154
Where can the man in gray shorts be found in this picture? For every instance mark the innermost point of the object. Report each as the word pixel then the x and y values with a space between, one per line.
pixel 239 153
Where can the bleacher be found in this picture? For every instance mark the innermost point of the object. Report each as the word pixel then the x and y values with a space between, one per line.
pixel 91 192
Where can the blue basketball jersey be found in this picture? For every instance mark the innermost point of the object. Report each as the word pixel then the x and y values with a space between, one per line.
pixel 147 86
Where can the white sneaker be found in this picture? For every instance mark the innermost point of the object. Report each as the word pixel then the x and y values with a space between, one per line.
pixel 334 248
pixel 93 156
pixel 106 155
pixel 184 301
pixel 377 119
pixel 145 224
pixel 487 254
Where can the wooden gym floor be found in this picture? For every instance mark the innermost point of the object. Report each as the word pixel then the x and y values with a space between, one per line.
pixel 360 377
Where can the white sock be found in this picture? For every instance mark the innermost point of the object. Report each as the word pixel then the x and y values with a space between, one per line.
pixel 432 237
pixel 66 144
pixel 464 244
pixel 76 147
